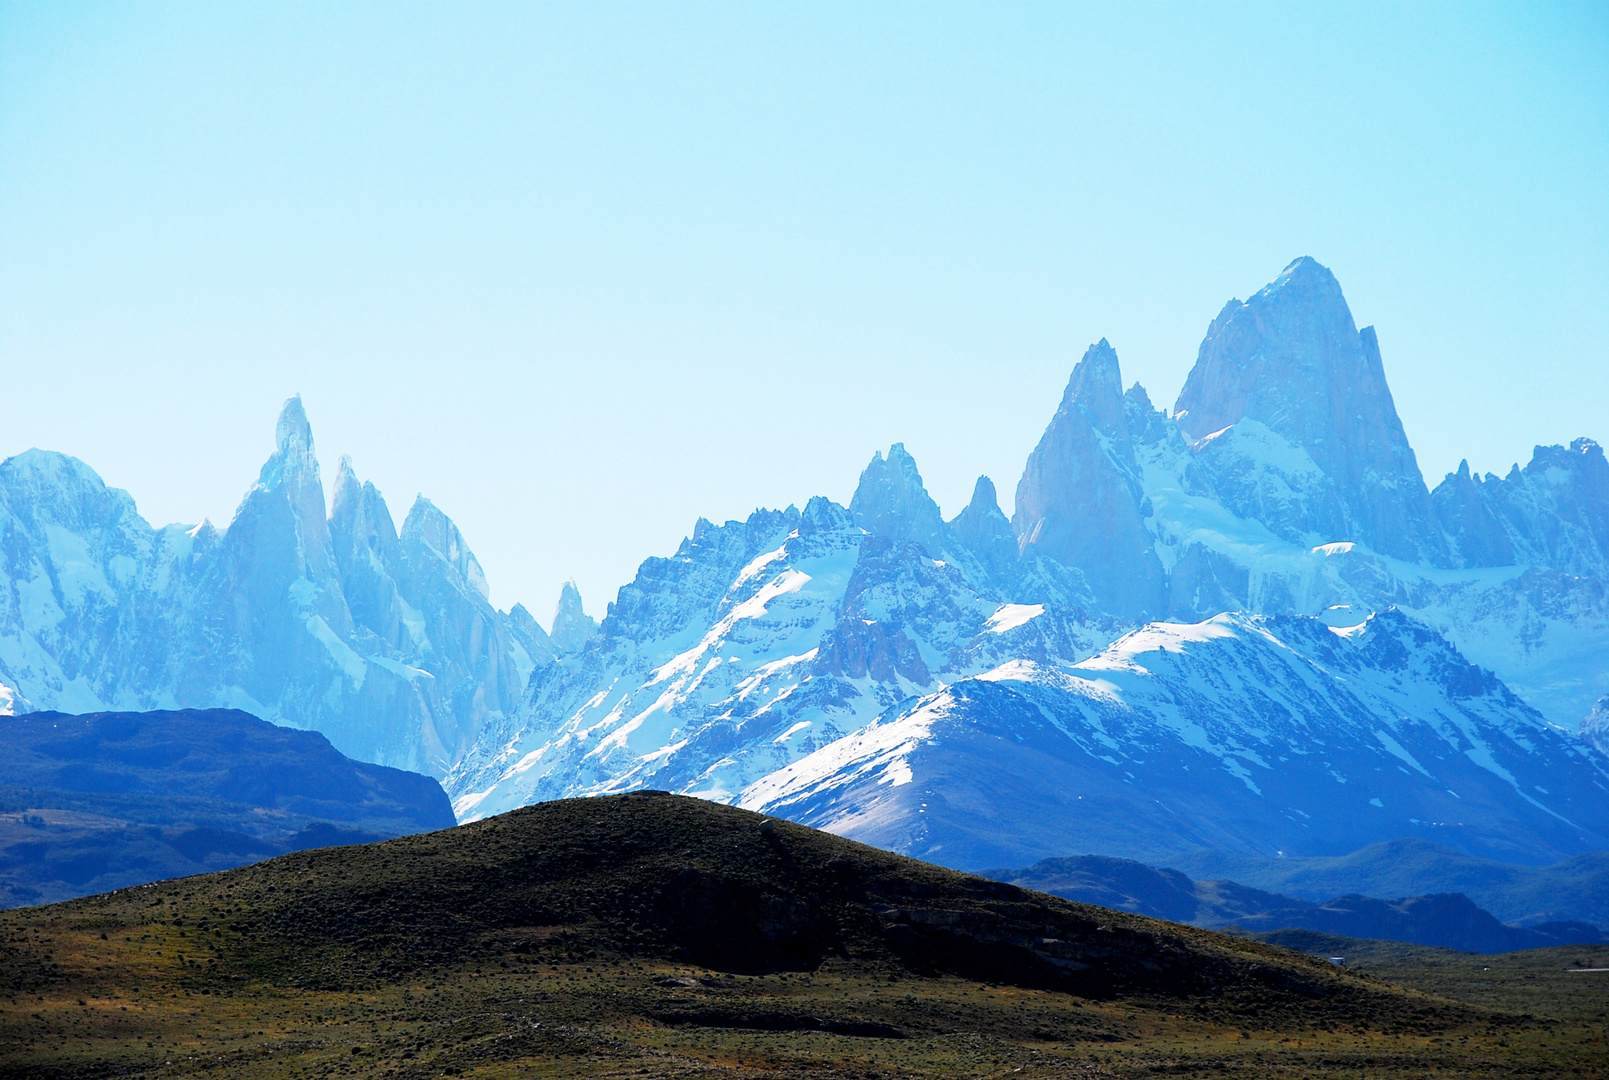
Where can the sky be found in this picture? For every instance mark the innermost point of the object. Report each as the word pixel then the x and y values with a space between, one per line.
pixel 583 274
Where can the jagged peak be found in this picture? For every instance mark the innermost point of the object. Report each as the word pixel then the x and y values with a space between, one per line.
pixel 899 464
pixel 1096 389
pixel 424 514
pixel 891 500
pixel 572 626
pixel 347 485
pixel 982 529
pixel 1303 272
pixel 984 496
pixel 357 507
pixel 292 433
pixel 293 460
pixel 427 526
pixel 821 514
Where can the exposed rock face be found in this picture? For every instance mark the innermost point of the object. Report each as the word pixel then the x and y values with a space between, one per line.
pixel 1553 513
pixel 891 501
pixel 984 531
pixel 1595 725
pixel 1291 362
pixel 384 643
pixel 1474 534
pixel 1081 500
pixel 572 626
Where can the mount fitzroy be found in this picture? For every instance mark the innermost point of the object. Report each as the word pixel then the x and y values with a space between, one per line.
pixel 1242 624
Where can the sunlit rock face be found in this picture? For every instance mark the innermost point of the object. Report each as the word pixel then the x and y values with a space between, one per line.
pixel 1081 499
pixel 1291 364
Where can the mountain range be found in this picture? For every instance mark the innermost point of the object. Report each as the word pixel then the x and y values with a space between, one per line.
pixel 1441 920
pixel 329 619
pixel 1243 623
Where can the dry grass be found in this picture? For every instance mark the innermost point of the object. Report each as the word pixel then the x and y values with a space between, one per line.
pixel 266 971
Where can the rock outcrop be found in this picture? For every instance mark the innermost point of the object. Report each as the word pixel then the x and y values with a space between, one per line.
pixel 385 643
pixel 1081 499
pixel 1318 453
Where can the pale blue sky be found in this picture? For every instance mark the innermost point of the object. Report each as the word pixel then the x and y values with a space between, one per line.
pixel 583 274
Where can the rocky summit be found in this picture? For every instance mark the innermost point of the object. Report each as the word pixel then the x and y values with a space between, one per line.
pixel 1242 622
pixel 383 641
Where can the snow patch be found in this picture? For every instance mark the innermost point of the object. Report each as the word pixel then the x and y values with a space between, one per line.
pixel 1011 616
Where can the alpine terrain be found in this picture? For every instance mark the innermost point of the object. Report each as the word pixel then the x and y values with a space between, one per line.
pixel 1243 623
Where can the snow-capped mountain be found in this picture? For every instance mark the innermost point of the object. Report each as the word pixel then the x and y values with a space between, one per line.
pixel 1240 733
pixel 383 641
pixel 762 640
pixel 767 658
pixel 1281 484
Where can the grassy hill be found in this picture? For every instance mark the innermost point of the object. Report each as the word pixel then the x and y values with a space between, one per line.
pixel 652 935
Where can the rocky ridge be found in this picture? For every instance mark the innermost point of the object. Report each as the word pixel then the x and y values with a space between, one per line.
pixel 382 640
pixel 1280 484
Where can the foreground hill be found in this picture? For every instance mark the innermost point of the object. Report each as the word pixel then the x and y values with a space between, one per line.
pixel 104 800
pixel 650 934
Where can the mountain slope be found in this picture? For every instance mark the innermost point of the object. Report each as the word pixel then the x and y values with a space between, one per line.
pixel 1241 733
pixel 760 641
pixel 108 800
pixel 1447 920
pixel 1574 889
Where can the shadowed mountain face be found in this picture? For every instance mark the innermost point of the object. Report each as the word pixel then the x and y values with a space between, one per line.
pixel 1445 920
pixel 113 799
